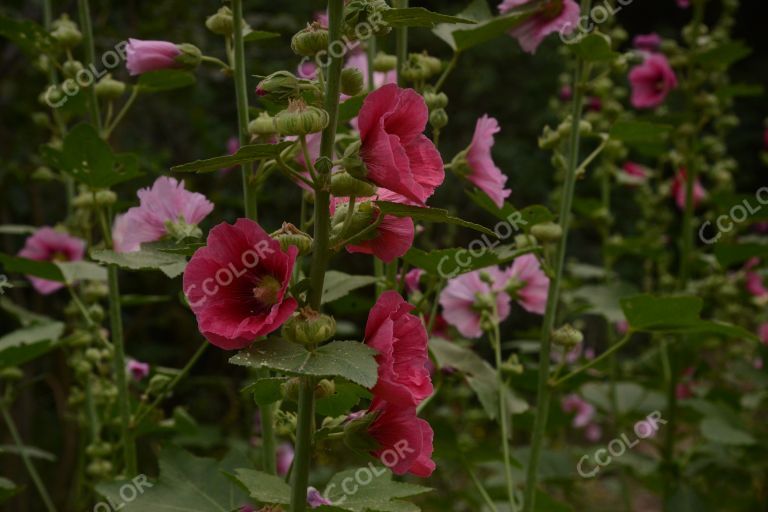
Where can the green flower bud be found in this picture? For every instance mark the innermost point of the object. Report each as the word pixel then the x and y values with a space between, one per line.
pixel 263 125
pixel 190 56
pixel 71 67
pixel 524 241
pixel 438 118
pixel 12 373
pixel 435 100
pixel 65 32
pixel 43 173
pixel 384 62
pixel 324 389
pixel 432 64
pixel 512 366
pixel 222 22
pixel 100 469
pixel 157 384
pixel 41 119
pixel 93 355
pixel 51 97
pixel 344 185
pixel 96 312
pixel 549 138
pixel 363 19
pixel 567 336
pixel 300 119
pixel 82 368
pixel 362 217
pixel 290 389
pixel 351 161
pixel 289 235
pixel 281 85
pixel 311 40
pixel 309 327
pixel 351 81
pixel 547 232
pixel 109 88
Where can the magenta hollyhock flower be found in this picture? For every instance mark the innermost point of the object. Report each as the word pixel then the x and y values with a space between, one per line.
pixel 396 153
pixel 412 279
pixel 137 369
pixel 531 283
pixel 585 412
pixel 566 93
pixel 679 191
pixel 144 56
pixel 405 440
pixel 237 284
pixel 635 171
pixel 284 458
pixel 762 332
pixel 651 81
pixel 464 294
pixel 647 42
pixel 47 244
pixel 484 174
pixel 754 281
pixel 315 499
pixel 400 339
pixel 167 202
pixel 556 16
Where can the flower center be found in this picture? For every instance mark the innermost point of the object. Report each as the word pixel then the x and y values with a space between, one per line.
pixel 59 256
pixel 267 290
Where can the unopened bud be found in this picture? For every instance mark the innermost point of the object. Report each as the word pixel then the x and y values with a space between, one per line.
pixel 281 84
pixel 263 125
pixel 157 384
pixel 65 32
pixel 567 336
pixel 324 389
pixel 524 241
pixel 301 119
pixel 309 327
pixel 344 185
pixel 547 232
pixel 351 82
pixel 309 41
pixel 290 389
pixel 383 62
pixel 435 101
pixel 109 88
pixel 190 56
pixel 222 22
pixel 351 161
pixel 289 235
pixel 438 118
pixel 70 68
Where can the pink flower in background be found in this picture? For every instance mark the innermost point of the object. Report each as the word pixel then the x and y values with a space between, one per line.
pixel 484 173
pixel 594 104
pixel 683 4
pixel 144 56
pixel 396 153
pixel 137 369
pixel 399 426
pixel 237 284
pixel 593 432
pixel 684 388
pixel 233 144
pixel 315 499
pixel 534 283
pixel 762 332
pixel 622 327
pixel 566 93
pixel 679 190
pixel 754 281
pixel 412 279
pixel 651 81
pixel 647 42
pixel 284 458
pixel 585 411
pixel 47 244
pixel 462 296
pixel 635 171
pixel 359 60
pixel 400 339
pixel 562 17
pixel 166 202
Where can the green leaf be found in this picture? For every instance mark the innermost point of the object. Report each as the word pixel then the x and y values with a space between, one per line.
pixel 517 220
pixel 62 272
pixel 630 397
pixel 267 489
pixel 25 317
pixel 338 285
pixel 172 265
pixel 186 484
pixel 732 254
pixel 724 55
pixel 604 298
pixel 429 215
pixel 419 17
pixel 88 158
pixel 594 48
pixel 31 451
pixel 165 80
pixel 350 108
pixel 27 35
pixel 380 493
pixel 8 489
pixel 678 314
pixel 244 155
pixel 28 343
pixel 447 263
pixel 487 28
pixel 347 395
pixel 74 271
pixel 349 359
pixel 259 35
pixel 718 431
pixel 266 391
pixel 480 376
pixel 645 137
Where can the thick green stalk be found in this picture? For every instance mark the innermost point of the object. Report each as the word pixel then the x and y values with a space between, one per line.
pixel 401 37
pixel 320 254
pixel 86 28
pixel 25 457
pixel 544 393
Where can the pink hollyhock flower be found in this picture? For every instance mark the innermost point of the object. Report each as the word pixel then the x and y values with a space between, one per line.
pixel 562 17
pixel 233 144
pixel 137 369
pixel 484 173
pixel 754 281
pixel 566 93
pixel 593 432
pixel 236 285
pixel 396 153
pixel 315 499
pixel 652 81
pixel 401 341
pixel 462 297
pixel 635 171
pixel 405 440
pixel 531 282
pixel 680 193
pixel 284 455
pixel 647 42
pixel 763 333
pixel 412 279
pixel 166 204
pixel 47 244
pixel 359 60
pixel 585 412
pixel 144 56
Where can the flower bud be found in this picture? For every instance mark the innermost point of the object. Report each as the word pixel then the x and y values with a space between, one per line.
pixel 93 355
pixel 290 389
pixel 43 173
pixel 157 384
pixel 281 85
pixel 263 125
pixel 222 22
pixel 41 119
pixel 52 96
pixel 324 389
pixel 289 235
pixel 383 62
pixel 549 138
pixel 190 56
pixel 525 241
pixel 567 336
pixel 309 327
pixel 435 101
pixel 362 217
pixel 512 366
pixel 65 32
pixel 351 161
pixel 363 19
pixel 300 119
pixel 309 41
pixel 438 118
pixel 344 185
pixel 70 68
pixel 109 88
pixel 351 81
pixel 12 373
pixel 547 232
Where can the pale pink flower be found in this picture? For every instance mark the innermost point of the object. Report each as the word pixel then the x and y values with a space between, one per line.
pixel 680 192
pixel 144 56
pixel 762 332
pixel 584 411
pixel 284 455
pixel 315 499
pixel 562 17
pixel 462 297
pixel 47 244
pixel 137 369
pixel 484 172
pixel 652 81
pixel 532 281
pixel 754 281
pixel 166 202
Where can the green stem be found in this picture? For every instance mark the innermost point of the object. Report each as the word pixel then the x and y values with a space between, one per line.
pixel 450 67
pixel 123 110
pixel 320 254
pixel 486 497
pixel 401 38
pixel 370 51
pixel 594 362
pixel 86 27
pixel 25 457
pixel 544 392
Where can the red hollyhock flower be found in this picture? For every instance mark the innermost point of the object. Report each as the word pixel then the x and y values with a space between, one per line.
pixel 236 284
pixel 397 154
pixel 401 340
pixel 405 441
